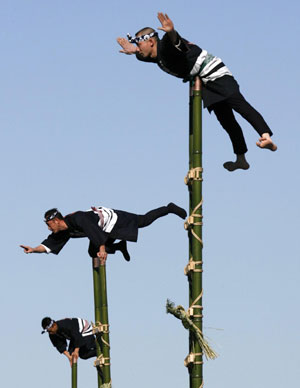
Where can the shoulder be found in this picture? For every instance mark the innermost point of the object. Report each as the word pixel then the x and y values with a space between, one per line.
pixel 77 217
pixel 74 215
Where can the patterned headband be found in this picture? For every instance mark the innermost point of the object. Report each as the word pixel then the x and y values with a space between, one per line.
pixel 141 38
pixel 51 216
pixel 47 327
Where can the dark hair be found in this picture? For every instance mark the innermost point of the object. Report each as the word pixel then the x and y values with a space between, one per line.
pixel 46 322
pixel 53 213
pixel 146 30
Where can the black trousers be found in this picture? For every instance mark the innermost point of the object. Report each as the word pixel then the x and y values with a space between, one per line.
pixel 142 221
pixel 151 216
pixel 110 248
pixel 87 350
pixel 224 112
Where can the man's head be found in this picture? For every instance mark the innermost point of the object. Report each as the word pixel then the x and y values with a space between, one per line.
pixel 146 40
pixel 49 325
pixel 55 220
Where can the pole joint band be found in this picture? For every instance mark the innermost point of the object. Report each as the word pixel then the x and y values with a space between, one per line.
pixel 193 358
pixel 191 267
pixel 191 221
pixel 102 361
pixel 99 328
pixel 191 311
pixel 194 174
pixel 96 262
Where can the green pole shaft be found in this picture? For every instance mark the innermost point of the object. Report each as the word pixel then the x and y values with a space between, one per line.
pixel 104 316
pixel 191 99
pixel 74 374
pixel 196 368
pixel 97 303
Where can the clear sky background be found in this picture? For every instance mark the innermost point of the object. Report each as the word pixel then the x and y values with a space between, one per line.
pixel 83 125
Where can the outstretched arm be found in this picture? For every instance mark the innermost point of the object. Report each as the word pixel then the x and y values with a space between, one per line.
pixel 38 249
pixel 128 48
pixel 167 26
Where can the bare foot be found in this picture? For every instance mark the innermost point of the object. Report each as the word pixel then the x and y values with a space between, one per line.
pixel 240 164
pixel 266 142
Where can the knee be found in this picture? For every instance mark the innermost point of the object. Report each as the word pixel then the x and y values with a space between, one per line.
pixel 92 251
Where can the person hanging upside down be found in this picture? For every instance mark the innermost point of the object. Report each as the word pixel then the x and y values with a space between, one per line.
pixel 78 332
pixel 102 226
pixel 220 91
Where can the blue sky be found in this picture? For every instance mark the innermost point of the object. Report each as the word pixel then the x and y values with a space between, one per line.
pixel 83 125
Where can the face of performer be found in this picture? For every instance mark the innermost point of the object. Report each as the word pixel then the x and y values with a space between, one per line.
pixel 56 225
pixel 148 48
pixel 53 329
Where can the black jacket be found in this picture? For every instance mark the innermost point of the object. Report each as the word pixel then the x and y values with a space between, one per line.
pixel 68 330
pixel 85 224
pixel 179 59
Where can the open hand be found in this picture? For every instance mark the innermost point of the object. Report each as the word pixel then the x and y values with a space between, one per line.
pixel 128 48
pixel 166 23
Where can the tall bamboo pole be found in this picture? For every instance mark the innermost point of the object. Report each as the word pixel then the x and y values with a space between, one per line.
pixel 191 100
pixel 195 232
pixel 74 373
pixel 97 303
pixel 101 318
pixel 104 317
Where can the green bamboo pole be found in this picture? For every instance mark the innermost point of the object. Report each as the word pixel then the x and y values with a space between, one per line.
pixel 104 317
pixel 74 373
pixel 97 303
pixel 195 187
pixel 101 316
pixel 191 99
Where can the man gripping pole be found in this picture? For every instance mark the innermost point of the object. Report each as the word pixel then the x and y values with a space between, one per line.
pixel 102 226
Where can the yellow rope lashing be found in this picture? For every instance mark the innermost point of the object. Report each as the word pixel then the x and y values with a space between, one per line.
pixel 194 174
pixel 99 327
pixel 193 306
pixel 102 361
pixel 191 267
pixel 191 359
pixel 191 222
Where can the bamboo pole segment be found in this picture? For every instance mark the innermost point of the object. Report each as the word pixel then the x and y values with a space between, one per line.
pixel 96 281
pixel 101 328
pixel 191 95
pixel 74 373
pixel 195 359
pixel 104 317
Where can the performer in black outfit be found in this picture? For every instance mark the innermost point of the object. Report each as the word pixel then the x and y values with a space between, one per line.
pixel 78 332
pixel 220 91
pixel 102 226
